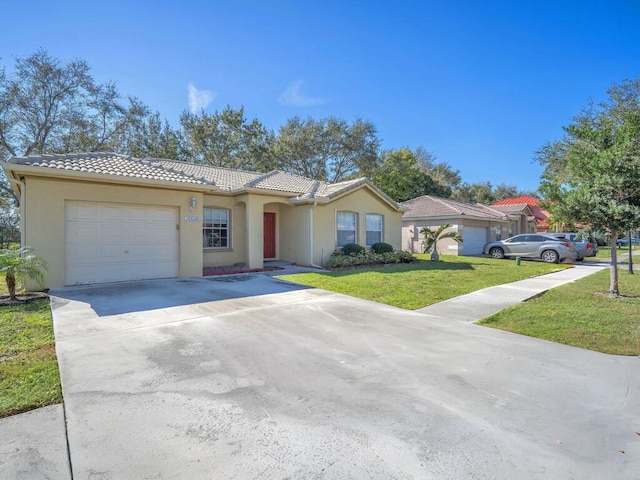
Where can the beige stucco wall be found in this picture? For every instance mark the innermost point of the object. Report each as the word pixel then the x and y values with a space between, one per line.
pixel 362 202
pixel 413 241
pixel 44 222
pixel 44 219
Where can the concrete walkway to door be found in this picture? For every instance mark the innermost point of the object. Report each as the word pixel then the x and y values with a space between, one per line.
pixel 289 382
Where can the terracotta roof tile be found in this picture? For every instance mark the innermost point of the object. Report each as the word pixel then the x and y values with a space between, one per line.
pixel 430 206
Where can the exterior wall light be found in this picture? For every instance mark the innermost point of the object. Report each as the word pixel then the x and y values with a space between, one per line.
pixel 192 205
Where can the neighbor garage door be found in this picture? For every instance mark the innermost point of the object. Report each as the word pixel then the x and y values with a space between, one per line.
pixel 473 239
pixel 110 242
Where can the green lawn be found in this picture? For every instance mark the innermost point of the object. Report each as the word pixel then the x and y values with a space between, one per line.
pixel 414 286
pixel 29 376
pixel 579 314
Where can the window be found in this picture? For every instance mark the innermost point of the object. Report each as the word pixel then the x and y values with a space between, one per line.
pixel 215 228
pixel 374 229
pixel 346 228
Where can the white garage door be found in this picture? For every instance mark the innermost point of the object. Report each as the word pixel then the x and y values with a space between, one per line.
pixel 108 242
pixel 474 239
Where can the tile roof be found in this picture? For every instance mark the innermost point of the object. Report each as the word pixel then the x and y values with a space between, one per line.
pixel 107 164
pixel 218 178
pixel 430 206
pixel 526 199
pixel 532 202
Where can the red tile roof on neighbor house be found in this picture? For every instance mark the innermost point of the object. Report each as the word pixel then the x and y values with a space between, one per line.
pixel 540 215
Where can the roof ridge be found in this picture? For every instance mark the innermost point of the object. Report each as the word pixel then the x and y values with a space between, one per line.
pixel 261 178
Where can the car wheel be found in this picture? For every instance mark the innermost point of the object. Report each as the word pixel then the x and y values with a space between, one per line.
pixel 579 259
pixel 496 252
pixel 550 256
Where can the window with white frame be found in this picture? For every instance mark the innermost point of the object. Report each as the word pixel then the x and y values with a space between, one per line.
pixel 374 228
pixel 346 228
pixel 215 228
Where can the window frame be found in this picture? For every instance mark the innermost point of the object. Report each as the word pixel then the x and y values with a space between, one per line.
pixel 213 228
pixel 338 230
pixel 366 228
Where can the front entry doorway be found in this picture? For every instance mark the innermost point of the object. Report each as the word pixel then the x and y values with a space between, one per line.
pixel 269 235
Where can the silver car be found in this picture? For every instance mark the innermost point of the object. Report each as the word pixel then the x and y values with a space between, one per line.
pixel 585 247
pixel 533 245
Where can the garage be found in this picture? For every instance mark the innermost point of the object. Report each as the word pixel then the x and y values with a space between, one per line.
pixel 474 239
pixel 111 242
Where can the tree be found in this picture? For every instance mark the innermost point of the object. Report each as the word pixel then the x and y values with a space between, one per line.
pixel 50 107
pixel 592 175
pixel 432 237
pixel 226 139
pixel 485 192
pixel 401 177
pixel 329 149
pixel 18 265
pixel 154 138
pixel 441 173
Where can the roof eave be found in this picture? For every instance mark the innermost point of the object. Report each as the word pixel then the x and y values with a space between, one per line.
pixel 456 216
pixel 16 170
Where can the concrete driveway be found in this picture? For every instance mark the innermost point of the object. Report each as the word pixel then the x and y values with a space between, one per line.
pixel 270 380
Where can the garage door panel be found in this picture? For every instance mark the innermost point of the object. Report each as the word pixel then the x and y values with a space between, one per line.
pixel 82 212
pixel 83 232
pixel 112 232
pixel 474 239
pixel 113 242
pixel 114 213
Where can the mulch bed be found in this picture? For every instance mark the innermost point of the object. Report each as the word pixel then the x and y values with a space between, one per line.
pixel 22 298
pixel 234 270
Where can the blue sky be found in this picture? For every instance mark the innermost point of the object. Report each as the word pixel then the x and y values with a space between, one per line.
pixel 481 84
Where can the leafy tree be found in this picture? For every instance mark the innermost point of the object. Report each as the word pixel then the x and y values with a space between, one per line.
pixel 50 107
pixel 9 222
pixel 441 173
pixel 329 149
pixel 154 138
pixel 226 139
pixel 402 178
pixel 432 237
pixel 485 192
pixel 592 175
pixel 18 265
pixel 481 192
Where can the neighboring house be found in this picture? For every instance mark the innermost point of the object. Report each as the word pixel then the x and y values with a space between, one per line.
pixel 104 217
pixel 538 219
pixel 476 223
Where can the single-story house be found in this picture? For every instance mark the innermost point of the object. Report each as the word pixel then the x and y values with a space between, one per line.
pixel 537 219
pixel 476 223
pixel 105 217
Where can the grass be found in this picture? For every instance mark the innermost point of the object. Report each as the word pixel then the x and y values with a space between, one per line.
pixel 414 286
pixel 29 376
pixel 580 314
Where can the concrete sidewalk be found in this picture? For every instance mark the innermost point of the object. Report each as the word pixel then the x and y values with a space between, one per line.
pixel 475 306
pixel 37 445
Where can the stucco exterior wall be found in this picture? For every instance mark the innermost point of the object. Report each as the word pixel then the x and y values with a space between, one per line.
pixel 44 226
pixel 44 219
pixel 293 240
pixel 413 241
pixel 361 202
pixel 236 253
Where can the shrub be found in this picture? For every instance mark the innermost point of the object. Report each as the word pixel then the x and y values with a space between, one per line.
pixel 381 247
pixel 340 260
pixel 352 249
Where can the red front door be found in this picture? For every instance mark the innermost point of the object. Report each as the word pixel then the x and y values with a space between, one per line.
pixel 269 235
